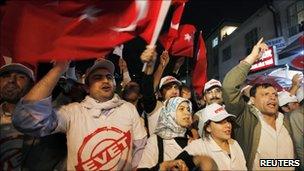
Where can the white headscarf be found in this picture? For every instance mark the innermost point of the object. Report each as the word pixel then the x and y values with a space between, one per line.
pixel 167 127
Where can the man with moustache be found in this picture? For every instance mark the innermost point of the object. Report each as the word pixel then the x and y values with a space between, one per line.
pixel 212 94
pixel 261 130
pixel 15 81
pixel 103 131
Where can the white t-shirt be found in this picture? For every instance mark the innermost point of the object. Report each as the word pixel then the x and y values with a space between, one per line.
pixel 224 162
pixel 200 121
pixel 150 156
pixel 99 141
pixel 11 142
pixel 274 144
pixel 153 117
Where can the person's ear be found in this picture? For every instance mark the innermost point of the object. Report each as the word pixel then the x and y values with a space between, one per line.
pixel 252 100
pixel 86 88
pixel 208 129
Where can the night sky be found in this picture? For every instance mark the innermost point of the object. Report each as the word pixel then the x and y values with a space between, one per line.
pixel 207 14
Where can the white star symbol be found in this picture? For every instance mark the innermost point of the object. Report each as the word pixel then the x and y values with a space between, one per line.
pixel 187 37
pixel 89 13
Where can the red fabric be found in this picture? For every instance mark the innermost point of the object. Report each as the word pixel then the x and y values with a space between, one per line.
pixel 173 30
pixel 2 61
pixel 199 75
pixel 301 40
pixel 183 43
pixel 148 25
pixel 55 30
pixel 298 62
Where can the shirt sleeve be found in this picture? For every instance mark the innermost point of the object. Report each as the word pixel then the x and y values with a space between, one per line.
pixel 196 147
pixel 139 137
pixel 36 119
pixel 150 155
pixel 232 95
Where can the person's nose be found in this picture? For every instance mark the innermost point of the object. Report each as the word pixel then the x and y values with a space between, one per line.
pixel 12 78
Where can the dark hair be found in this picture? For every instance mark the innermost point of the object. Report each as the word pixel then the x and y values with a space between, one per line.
pixel 129 88
pixel 164 87
pixel 185 87
pixel 205 133
pixel 254 88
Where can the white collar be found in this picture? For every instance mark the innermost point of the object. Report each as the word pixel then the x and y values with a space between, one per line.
pixel 102 107
pixel 215 146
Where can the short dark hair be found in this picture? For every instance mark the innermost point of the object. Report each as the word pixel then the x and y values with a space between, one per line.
pixel 205 133
pixel 254 88
pixel 185 87
pixel 166 86
pixel 129 88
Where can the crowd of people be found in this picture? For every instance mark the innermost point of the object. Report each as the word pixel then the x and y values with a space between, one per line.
pixel 158 123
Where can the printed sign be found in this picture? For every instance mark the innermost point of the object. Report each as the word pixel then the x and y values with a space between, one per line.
pixel 267 60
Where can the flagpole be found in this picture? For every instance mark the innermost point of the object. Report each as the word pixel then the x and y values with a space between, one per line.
pixel 160 21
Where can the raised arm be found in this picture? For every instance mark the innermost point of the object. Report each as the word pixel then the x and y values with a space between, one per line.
pixel 34 114
pixel 296 84
pixel 149 100
pixel 164 60
pixel 236 77
pixel 46 85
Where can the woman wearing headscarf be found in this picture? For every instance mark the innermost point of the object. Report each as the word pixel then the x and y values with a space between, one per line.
pixel 169 139
pixel 216 142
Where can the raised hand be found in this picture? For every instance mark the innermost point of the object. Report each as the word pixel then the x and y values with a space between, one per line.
pixel 148 55
pixel 122 65
pixel 256 52
pixel 61 66
pixel 296 80
pixel 164 58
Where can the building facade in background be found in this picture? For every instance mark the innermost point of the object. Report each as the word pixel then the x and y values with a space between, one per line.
pixel 281 25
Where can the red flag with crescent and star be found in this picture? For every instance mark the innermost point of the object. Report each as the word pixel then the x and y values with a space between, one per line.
pixel 182 45
pixel 199 75
pixel 56 30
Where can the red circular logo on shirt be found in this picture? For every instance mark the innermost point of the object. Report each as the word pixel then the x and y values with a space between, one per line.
pixel 104 149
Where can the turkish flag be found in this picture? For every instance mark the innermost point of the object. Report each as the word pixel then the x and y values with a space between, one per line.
pixel 182 45
pixel 199 75
pixel 173 30
pixel 55 30
pixel 2 61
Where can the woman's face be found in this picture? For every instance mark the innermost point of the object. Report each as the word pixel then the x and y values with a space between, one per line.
pixel 183 115
pixel 220 130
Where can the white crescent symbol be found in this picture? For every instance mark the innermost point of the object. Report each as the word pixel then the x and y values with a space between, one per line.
pixel 142 7
pixel 174 26
pixel 7 59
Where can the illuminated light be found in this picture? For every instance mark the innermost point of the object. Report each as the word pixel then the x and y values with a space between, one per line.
pixel 227 30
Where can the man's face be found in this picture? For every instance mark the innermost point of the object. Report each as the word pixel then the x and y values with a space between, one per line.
pixel 266 100
pixel 13 86
pixel 101 85
pixel 291 106
pixel 170 90
pixel 185 93
pixel 213 95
